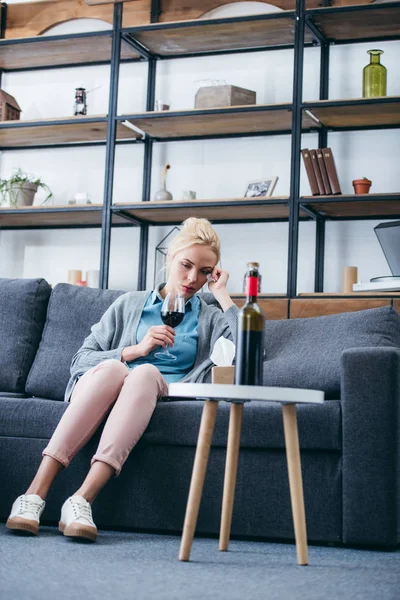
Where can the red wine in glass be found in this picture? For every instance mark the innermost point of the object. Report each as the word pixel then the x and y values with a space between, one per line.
pixel 172 318
pixel 172 313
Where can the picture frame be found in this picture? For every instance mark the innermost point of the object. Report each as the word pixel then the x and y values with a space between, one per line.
pixel 261 187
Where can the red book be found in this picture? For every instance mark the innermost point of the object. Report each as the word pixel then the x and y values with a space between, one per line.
pixel 324 174
pixel 331 170
pixel 317 172
pixel 310 171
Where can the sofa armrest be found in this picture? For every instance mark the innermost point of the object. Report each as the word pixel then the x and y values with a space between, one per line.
pixel 370 393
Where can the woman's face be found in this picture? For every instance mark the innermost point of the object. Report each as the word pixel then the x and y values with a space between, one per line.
pixel 189 269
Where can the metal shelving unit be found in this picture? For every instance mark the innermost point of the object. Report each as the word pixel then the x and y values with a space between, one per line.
pixel 349 25
pixel 294 29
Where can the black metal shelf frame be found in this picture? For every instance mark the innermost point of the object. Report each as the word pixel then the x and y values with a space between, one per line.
pixel 303 21
pixel 345 10
pixel 325 43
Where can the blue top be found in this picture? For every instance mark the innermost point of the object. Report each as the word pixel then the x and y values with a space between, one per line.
pixel 186 338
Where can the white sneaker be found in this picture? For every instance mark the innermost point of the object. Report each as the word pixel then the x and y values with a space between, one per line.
pixel 25 513
pixel 76 519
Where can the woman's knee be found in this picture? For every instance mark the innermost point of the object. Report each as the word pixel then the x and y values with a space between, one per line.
pixel 145 370
pixel 111 366
pixel 107 375
pixel 148 373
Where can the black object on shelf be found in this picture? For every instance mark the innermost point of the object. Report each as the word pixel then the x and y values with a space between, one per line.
pixel 388 235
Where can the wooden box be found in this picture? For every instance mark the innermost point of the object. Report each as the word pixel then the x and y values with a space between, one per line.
pixel 216 96
pixel 9 109
pixel 223 375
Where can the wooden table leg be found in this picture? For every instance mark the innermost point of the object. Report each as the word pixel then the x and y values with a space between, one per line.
pixel 198 475
pixel 232 456
pixel 295 481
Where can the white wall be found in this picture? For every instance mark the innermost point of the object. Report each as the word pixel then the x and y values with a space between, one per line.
pixel 214 168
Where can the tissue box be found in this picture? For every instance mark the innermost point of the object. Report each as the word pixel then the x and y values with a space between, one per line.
pixel 213 96
pixel 223 375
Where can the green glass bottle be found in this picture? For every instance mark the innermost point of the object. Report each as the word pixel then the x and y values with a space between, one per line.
pixel 374 76
pixel 250 334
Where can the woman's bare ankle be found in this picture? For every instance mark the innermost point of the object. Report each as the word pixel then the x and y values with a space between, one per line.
pixel 37 491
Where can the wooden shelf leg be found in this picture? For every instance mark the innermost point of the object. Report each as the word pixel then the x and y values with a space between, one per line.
pixel 232 457
pixel 198 475
pixel 295 481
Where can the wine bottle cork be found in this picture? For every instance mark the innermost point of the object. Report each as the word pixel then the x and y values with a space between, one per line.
pixel 74 275
pixel 349 276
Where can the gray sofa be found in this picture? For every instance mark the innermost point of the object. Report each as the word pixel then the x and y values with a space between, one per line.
pixel 350 446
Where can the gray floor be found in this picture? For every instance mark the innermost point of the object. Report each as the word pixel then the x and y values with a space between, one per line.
pixel 143 566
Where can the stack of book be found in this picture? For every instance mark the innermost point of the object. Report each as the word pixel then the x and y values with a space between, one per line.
pixel 321 171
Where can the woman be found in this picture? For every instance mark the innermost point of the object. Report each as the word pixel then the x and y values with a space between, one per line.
pixel 116 373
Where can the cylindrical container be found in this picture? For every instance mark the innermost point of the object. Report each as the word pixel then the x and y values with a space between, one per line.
pixel 349 276
pixel 250 334
pixel 74 275
pixel 374 76
pixel 93 278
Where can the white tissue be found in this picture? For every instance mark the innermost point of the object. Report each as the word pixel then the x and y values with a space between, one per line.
pixel 223 352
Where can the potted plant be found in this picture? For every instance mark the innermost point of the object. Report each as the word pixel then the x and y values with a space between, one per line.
pixel 21 188
pixel 361 186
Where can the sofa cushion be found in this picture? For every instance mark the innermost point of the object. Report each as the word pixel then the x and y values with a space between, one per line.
pixel 178 423
pixel 22 316
pixel 71 312
pixel 306 353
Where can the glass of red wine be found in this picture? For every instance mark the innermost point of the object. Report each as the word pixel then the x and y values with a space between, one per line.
pixel 172 313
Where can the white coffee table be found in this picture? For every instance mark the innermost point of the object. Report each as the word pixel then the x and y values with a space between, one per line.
pixel 238 395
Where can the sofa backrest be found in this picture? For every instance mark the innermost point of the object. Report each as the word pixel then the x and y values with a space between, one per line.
pixel 23 306
pixel 71 312
pixel 302 353
pixel 306 353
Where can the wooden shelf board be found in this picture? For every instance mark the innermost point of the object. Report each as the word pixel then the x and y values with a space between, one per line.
pixel 52 131
pixel 273 307
pixel 202 122
pixel 349 295
pixel 364 205
pixel 192 37
pixel 25 53
pixel 54 216
pixel 343 23
pixel 314 307
pixel 370 113
pixel 240 209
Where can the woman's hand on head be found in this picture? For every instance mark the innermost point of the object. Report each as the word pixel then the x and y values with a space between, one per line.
pixel 218 280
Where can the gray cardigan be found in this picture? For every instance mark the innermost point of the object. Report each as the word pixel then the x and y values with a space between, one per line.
pixel 117 330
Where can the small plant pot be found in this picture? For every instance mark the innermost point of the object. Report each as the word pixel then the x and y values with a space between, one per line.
pixel 22 194
pixel 361 186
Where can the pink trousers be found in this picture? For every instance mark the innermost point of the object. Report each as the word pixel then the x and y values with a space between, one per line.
pixel 132 397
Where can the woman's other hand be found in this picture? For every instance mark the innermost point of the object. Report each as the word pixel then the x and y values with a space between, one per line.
pixel 157 335
pixel 218 280
pixel 217 286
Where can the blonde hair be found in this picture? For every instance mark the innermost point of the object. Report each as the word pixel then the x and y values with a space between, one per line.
pixel 195 231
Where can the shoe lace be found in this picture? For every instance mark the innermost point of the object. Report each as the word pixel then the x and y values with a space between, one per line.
pixel 82 510
pixel 29 506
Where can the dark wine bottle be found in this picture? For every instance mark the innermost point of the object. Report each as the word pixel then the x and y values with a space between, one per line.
pixel 250 334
